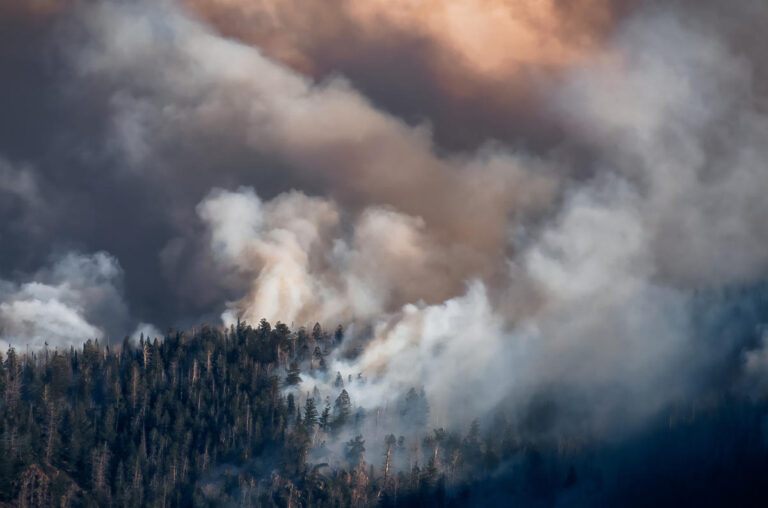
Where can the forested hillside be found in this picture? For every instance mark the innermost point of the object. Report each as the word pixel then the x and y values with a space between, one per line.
pixel 206 418
pixel 213 418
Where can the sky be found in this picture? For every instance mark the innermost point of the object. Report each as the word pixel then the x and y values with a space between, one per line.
pixel 503 202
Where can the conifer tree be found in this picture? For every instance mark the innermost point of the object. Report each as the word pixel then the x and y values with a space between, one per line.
pixel 325 418
pixel 342 409
pixel 310 413
pixel 355 450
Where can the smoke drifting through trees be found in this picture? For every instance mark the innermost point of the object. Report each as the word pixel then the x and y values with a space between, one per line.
pixel 222 181
pixel 216 417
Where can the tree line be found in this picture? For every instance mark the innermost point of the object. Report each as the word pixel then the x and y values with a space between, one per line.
pixel 214 417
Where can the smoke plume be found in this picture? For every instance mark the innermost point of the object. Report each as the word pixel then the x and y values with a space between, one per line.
pixel 507 207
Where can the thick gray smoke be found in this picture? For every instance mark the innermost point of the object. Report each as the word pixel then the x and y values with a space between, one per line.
pixel 235 187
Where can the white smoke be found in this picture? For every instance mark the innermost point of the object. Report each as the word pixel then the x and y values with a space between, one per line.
pixel 680 115
pixel 146 330
pixel 73 300
pixel 605 327
pixel 607 337
pixel 307 265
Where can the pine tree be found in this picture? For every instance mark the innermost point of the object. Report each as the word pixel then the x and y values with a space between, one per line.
pixel 342 409
pixel 310 413
pixel 325 418
pixel 317 333
pixel 355 450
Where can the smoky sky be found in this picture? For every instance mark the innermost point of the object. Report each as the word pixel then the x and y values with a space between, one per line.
pixel 545 194
pixel 471 70
pixel 56 123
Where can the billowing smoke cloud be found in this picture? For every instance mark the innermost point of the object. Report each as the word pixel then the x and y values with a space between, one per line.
pixel 306 266
pixel 475 69
pixel 677 113
pixel 614 270
pixel 77 298
pixel 609 347
pixel 327 135
pixel 244 177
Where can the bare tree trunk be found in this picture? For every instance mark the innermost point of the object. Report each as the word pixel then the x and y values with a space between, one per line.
pixel 52 429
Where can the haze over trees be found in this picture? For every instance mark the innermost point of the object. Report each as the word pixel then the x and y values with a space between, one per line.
pixel 214 418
